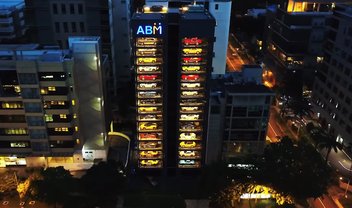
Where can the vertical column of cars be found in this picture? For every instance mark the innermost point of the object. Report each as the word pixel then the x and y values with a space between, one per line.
pixel 193 77
pixel 148 62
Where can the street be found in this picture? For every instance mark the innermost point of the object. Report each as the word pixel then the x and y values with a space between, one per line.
pixel 236 56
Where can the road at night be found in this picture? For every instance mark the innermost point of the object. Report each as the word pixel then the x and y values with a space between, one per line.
pixel 274 131
pixel 235 55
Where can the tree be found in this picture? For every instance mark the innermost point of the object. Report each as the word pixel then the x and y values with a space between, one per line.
pixel 102 183
pixel 289 172
pixel 53 185
pixel 300 106
pixel 327 141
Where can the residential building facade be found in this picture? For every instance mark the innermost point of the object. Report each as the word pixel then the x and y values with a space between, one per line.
pixel 12 23
pixel 52 104
pixel 332 92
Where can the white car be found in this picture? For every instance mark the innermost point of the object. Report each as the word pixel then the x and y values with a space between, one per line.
pixel 187 162
pixel 193 108
pixel 188 136
pixel 147 68
pixel 187 153
pixel 190 85
pixel 189 116
pixel 189 93
pixel 147 85
pixel 148 94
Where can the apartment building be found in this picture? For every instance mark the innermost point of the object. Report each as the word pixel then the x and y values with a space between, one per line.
pixel 332 92
pixel 52 104
pixel 12 23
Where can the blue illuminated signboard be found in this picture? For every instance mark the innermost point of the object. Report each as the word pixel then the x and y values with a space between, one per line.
pixel 155 29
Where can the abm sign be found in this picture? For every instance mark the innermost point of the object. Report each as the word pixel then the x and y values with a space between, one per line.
pixel 155 29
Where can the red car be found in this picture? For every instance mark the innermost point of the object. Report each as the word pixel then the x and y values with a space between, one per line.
pixel 147 136
pixel 147 77
pixel 190 77
pixel 192 41
pixel 192 59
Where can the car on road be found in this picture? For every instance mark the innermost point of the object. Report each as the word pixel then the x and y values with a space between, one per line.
pixel 190 77
pixel 188 144
pixel 148 126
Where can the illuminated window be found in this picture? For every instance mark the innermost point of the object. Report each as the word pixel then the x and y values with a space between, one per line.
pixel 73 102
pixel 61 129
pixel 43 91
pixel 320 59
pixel 48 118
pixel 20 131
pixel 77 141
pixel 51 88
pixel 19 144
pixel 17 88
pixel 74 115
pixel 63 116
pixel 13 105
pixel 76 128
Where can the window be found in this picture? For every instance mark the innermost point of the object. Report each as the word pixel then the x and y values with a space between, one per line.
pixel 65 27
pixel 63 8
pixel 19 131
pixel 35 121
pixel 30 93
pixel 72 8
pixel 40 146
pixel 51 88
pixel 48 118
pixel 74 28
pixel 216 6
pixel 27 78
pixel 215 109
pixel 19 144
pixel 55 8
pixel 61 129
pixel 63 116
pixel 80 9
pixel 12 105
pixel 81 26
pixel 33 107
pixel 57 27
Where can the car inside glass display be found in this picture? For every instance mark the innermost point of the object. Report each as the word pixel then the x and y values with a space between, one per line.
pixel 150 154
pixel 148 77
pixel 150 117
pixel 155 145
pixel 148 42
pixel 189 117
pixel 146 110
pixel 150 163
pixel 149 102
pixel 148 52
pixel 149 94
pixel 145 126
pixel 192 41
pixel 148 68
pixel 189 145
pixel 149 136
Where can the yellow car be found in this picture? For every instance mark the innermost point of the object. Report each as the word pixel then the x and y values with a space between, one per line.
pixel 146 60
pixel 147 109
pixel 192 50
pixel 149 153
pixel 148 126
pixel 147 41
pixel 149 162
pixel 191 68
pixel 187 144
